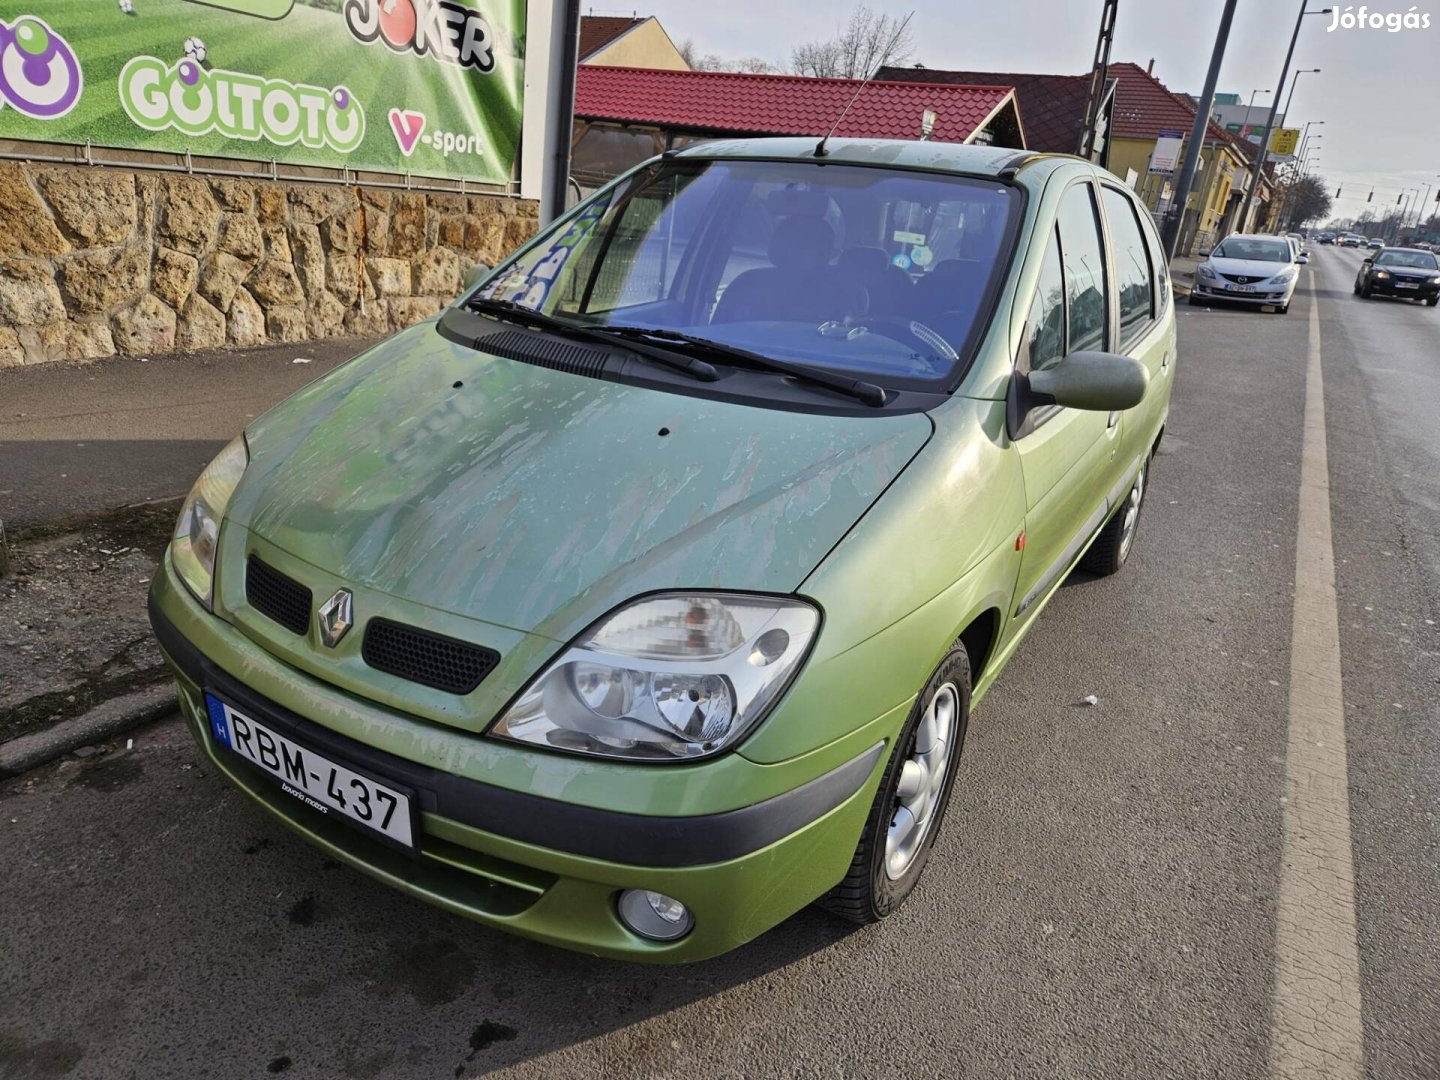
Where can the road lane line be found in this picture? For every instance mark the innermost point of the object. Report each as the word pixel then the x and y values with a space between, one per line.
pixel 1315 1027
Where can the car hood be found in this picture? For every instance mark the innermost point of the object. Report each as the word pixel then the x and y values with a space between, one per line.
pixel 537 499
pixel 1253 268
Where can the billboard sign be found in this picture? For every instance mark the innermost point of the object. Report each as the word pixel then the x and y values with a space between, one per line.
pixel 429 87
pixel 1166 155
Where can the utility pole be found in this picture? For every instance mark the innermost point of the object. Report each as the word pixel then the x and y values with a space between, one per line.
pixel 1099 76
pixel 1265 135
pixel 1176 217
pixel 564 56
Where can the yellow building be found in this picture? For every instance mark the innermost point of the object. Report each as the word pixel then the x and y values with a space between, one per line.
pixel 1145 113
pixel 610 41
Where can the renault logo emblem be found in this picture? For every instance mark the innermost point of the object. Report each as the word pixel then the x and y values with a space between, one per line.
pixel 336 616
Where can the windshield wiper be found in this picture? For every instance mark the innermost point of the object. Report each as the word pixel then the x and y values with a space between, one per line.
pixel 866 392
pixel 527 316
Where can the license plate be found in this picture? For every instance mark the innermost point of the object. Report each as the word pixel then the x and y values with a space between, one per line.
pixel 1406 285
pixel 1241 288
pixel 320 783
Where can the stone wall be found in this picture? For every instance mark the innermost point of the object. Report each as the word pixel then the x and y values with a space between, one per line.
pixel 100 261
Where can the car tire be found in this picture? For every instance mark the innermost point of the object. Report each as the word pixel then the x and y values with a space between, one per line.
pixel 1117 538
pixel 1357 287
pixel 1432 301
pixel 1365 291
pixel 890 859
pixel 1195 301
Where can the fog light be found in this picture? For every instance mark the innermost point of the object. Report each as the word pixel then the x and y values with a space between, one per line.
pixel 654 915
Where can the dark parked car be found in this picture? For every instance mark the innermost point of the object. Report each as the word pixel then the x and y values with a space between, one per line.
pixel 1407 272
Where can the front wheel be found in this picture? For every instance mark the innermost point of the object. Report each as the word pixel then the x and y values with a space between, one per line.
pixel 1432 301
pixel 910 802
pixel 1365 290
pixel 1112 547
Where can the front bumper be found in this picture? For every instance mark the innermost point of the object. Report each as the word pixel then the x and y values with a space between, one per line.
pixel 1274 295
pixel 532 865
pixel 1394 287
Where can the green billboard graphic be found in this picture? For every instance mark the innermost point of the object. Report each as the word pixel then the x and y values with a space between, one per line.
pixel 428 87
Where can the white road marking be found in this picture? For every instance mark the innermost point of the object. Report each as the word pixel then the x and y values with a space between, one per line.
pixel 1315 1028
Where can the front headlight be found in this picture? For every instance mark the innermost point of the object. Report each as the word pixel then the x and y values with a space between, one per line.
pixel 1284 277
pixel 667 678
pixel 1382 273
pixel 1435 280
pixel 1205 271
pixel 192 549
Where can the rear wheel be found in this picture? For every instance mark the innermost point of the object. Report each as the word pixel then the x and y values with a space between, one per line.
pixel 1112 547
pixel 910 803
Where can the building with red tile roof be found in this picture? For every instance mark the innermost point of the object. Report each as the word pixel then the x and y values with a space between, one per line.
pixel 1053 105
pixel 625 115
pixel 628 41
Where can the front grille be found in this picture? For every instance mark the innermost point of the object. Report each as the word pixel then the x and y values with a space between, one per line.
pixel 276 596
pixel 1242 279
pixel 434 660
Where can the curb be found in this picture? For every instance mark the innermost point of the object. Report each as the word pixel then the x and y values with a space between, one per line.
pixel 105 721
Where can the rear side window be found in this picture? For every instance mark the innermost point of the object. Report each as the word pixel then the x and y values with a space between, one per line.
pixel 1082 253
pixel 1133 279
pixel 1046 325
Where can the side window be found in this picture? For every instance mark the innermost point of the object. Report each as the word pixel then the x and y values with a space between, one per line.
pixel 1131 262
pixel 1084 269
pixel 1045 328
pixel 1158 261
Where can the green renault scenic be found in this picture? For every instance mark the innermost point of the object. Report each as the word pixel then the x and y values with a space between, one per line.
pixel 643 597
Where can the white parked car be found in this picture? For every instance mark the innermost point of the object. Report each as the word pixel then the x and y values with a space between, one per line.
pixel 1249 268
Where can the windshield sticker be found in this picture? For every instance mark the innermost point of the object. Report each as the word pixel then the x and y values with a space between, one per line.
pixel 903 237
pixel 902 261
pixel 529 283
pixel 921 256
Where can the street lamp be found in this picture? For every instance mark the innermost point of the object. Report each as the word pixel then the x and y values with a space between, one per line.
pixel 1265 137
pixel 1291 96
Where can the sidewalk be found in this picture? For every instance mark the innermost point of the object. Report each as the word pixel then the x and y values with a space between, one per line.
pixel 75 440
pixel 1182 274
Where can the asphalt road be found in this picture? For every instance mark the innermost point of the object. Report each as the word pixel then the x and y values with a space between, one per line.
pixel 1102 902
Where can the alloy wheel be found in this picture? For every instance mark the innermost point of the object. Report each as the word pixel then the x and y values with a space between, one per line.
pixel 922 781
pixel 1132 513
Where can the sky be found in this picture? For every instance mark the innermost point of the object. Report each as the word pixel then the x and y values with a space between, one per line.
pixel 1377 92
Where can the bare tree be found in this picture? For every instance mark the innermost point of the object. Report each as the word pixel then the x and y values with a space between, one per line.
pixel 753 65
pixel 866 41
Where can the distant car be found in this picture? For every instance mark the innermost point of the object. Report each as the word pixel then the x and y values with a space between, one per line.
pixel 1249 268
pixel 1375 242
pixel 1299 242
pixel 1405 272
pixel 1326 238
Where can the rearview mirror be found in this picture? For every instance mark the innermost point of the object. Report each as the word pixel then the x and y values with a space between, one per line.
pixel 1096 381
pixel 475 275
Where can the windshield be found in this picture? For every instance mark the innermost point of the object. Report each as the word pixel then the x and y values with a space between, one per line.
pixel 1420 260
pixel 881 273
pixel 1256 250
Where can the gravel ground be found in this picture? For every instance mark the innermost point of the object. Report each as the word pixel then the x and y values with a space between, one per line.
pixel 73 629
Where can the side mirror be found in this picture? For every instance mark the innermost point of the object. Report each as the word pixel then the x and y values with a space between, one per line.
pixel 1302 259
pixel 1096 381
pixel 475 275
